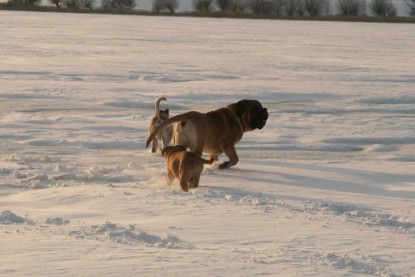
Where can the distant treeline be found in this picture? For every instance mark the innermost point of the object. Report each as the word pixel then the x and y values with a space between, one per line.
pixel 344 10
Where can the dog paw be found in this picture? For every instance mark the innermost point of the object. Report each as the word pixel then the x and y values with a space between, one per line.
pixel 184 187
pixel 225 165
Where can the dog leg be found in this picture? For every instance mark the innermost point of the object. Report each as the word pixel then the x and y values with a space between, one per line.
pixel 155 145
pixel 183 184
pixel 194 182
pixel 166 142
pixel 170 178
pixel 230 151
pixel 214 157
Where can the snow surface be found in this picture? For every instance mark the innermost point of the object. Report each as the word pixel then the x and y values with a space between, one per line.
pixel 327 188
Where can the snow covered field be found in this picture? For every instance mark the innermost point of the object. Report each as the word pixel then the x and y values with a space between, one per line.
pixel 327 188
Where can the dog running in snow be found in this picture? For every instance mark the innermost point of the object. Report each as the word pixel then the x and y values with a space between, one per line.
pixel 184 165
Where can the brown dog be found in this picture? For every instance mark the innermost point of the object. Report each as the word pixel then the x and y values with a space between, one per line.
pixel 160 116
pixel 216 132
pixel 184 165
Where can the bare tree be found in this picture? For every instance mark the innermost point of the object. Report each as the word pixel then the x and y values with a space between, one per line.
pixel 315 7
pixel 172 5
pixel 76 4
pixel 57 3
pixel 30 3
pixel 383 8
pixel 224 4
pixel 411 5
pixel 294 7
pixel 119 5
pixel 73 4
pixel 203 6
pixel 255 6
pixel 350 7
pixel 88 4
pixel 158 6
pixel 33 2
pixel 278 7
pixel 161 5
pixel 238 5
pixel 265 7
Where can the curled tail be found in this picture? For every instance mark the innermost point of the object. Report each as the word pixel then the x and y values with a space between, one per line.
pixel 171 120
pixel 158 106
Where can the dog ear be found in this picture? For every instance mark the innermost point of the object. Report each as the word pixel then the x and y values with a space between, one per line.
pixel 240 108
pixel 164 112
pixel 166 150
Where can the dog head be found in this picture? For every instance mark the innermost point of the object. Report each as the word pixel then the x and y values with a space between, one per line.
pixel 164 114
pixel 167 151
pixel 251 114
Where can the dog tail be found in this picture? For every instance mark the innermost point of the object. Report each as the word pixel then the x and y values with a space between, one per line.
pixel 178 118
pixel 158 106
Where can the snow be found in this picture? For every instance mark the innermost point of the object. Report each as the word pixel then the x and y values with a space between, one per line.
pixel 327 188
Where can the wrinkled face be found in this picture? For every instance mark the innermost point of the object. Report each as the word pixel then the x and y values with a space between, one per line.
pixel 167 151
pixel 251 113
pixel 258 117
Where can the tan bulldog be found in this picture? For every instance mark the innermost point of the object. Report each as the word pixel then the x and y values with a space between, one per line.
pixel 184 165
